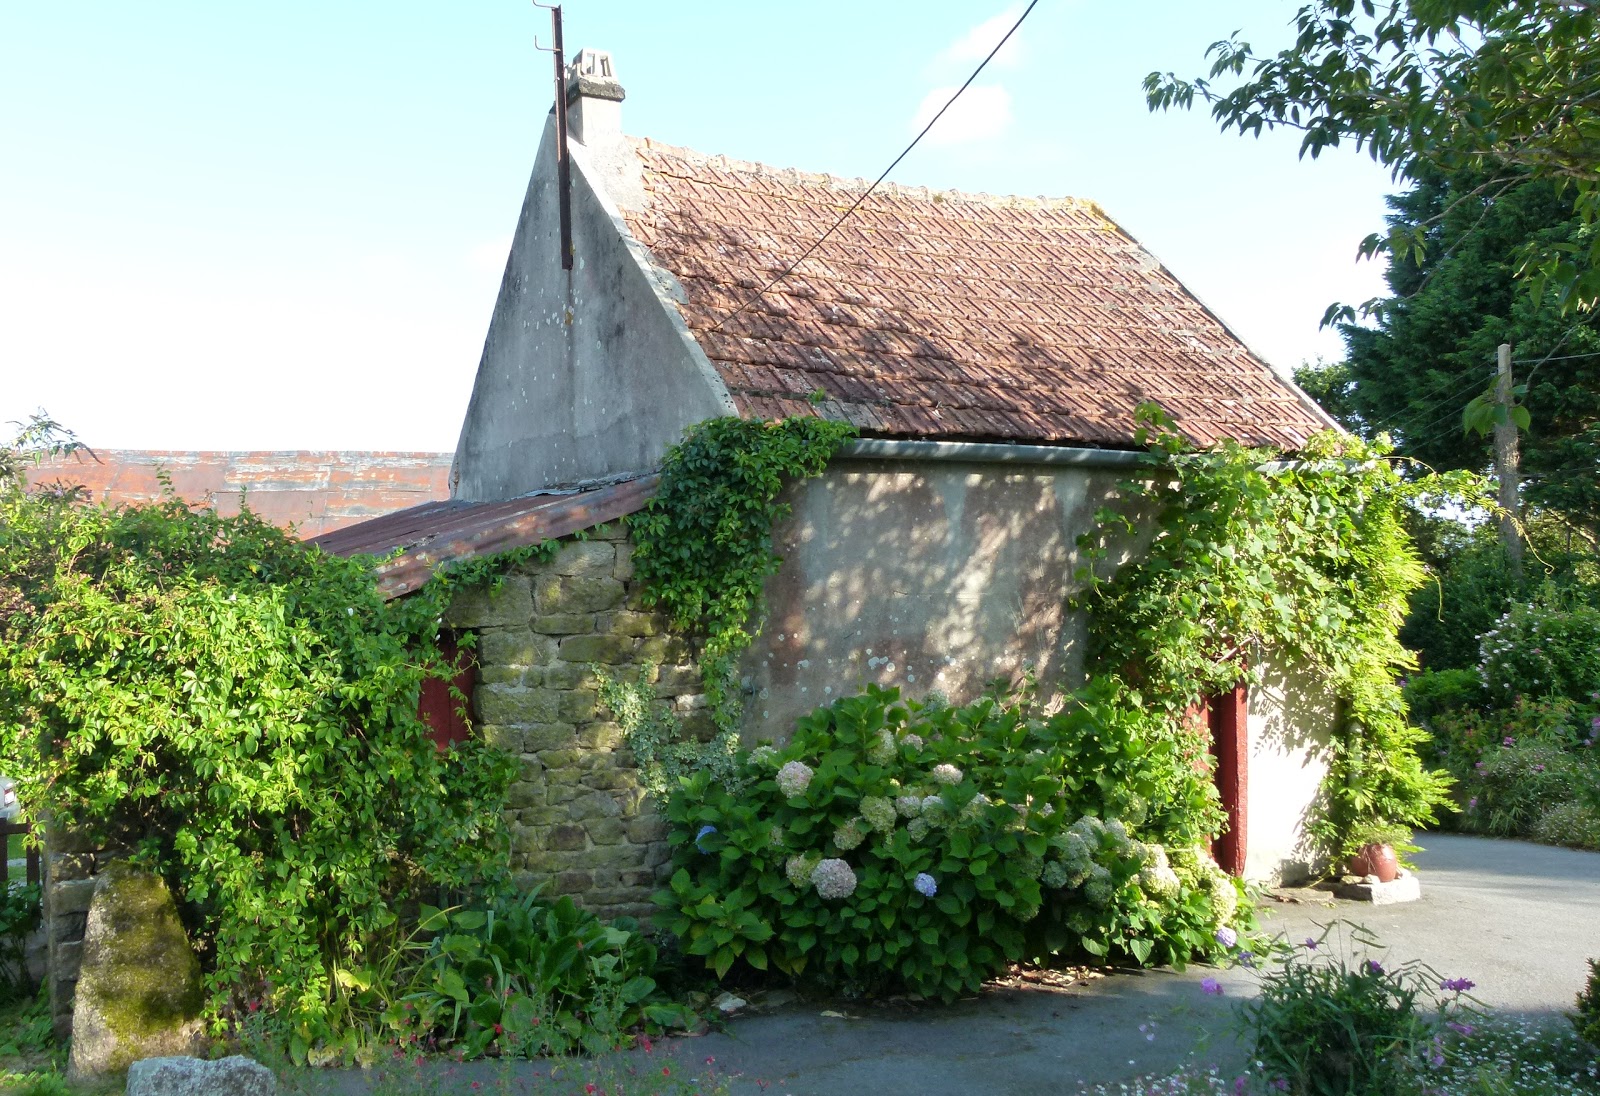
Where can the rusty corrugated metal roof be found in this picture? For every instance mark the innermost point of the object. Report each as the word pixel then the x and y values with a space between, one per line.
pixel 946 315
pixel 438 533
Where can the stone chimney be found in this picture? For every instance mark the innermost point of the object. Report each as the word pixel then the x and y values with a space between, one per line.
pixel 594 100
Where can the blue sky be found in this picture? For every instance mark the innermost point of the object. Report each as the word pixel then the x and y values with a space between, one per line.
pixel 244 225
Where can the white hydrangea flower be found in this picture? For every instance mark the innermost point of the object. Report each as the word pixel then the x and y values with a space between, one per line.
pixel 882 750
pixel 763 755
pixel 794 778
pixel 913 740
pixel 833 879
pixel 909 806
pixel 947 774
pixel 879 812
pixel 918 828
pixel 799 868
pixel 849 835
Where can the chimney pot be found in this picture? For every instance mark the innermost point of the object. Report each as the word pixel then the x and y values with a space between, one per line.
pixel 594 99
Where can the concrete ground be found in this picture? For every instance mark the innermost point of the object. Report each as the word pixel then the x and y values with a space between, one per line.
pixel 1517 919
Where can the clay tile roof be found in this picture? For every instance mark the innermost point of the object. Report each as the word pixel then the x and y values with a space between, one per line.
pixel 946 315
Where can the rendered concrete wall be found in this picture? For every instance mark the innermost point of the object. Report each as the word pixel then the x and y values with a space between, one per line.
pixel 1292 718
pixel 931 576
pixel 586 372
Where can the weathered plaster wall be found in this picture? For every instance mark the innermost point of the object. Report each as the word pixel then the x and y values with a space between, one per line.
pixel 585 373
pixel 932 576
pixel 580 822
pixel 1292 719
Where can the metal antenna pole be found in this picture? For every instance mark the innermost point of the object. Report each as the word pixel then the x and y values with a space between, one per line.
pixel 563 161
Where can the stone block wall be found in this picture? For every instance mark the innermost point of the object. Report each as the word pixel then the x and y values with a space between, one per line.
pixel 580 822
pixel 71 866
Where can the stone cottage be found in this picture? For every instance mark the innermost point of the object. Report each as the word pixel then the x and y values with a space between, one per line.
pixel 990 350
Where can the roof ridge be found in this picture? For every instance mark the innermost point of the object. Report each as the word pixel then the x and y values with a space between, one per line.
pixel 918 192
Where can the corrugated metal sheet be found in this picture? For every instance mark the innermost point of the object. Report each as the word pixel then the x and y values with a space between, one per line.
pixel 430 536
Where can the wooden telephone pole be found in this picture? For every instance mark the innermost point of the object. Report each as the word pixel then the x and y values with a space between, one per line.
pixel 1505 464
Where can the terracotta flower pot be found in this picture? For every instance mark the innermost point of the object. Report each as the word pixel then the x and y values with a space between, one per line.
pixel 1378 860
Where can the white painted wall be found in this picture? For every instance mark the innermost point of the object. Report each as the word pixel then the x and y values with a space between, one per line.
pixel 1291 723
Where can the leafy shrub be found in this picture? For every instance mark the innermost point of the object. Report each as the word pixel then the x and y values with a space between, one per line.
pixel 1333 1025
pixel 1544 648
pixel 1519 775
pixel 895 845
pixel 1587 1019
pixel 528 978
pixel 1435 692
pixel 240 711
pixel 19 917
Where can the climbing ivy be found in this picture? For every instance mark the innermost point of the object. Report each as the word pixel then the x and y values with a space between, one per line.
pixel 703 545
pixel 1255 561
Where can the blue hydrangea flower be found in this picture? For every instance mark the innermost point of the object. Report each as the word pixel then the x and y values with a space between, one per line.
pixel 705 832
pixel 925 884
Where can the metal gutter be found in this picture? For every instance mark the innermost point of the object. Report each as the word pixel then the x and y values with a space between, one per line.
pixel 988 452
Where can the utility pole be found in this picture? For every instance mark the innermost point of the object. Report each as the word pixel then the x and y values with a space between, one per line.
pixel 1505 464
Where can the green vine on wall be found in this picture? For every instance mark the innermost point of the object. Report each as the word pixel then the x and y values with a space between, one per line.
pixel 702 552
pixel 1254 561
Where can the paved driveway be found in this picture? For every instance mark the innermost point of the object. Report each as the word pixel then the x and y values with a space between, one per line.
pixel 1517 919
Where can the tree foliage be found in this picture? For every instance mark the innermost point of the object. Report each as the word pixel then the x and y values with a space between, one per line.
pixel 1433 342
pixel 1503 90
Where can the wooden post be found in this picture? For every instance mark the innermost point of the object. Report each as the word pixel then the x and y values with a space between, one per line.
pixel 1505 462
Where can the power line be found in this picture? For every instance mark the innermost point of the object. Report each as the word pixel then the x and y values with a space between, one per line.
pixel 1563 358
pixel 1450 391
pixel 790 269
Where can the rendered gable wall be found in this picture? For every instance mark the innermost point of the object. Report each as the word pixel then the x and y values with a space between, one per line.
pixel 585 373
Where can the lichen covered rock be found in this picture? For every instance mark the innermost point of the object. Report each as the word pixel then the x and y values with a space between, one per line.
pixel 139 993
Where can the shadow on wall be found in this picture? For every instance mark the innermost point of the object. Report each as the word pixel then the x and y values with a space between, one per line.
pixel 1293 716
pixel 934 577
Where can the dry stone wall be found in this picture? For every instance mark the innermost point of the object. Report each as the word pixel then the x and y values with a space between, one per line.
pixel 580 822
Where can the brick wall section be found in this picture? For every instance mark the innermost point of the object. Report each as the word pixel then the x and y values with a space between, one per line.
pixel 580 822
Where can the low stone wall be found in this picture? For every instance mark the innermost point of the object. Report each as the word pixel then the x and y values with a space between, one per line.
pixel 580 822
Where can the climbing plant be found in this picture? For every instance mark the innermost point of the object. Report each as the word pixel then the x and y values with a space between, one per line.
pixel 239 711
pixel 703 549
pixel 1256 560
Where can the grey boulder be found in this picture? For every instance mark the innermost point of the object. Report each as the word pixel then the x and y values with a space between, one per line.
pixel 235 1076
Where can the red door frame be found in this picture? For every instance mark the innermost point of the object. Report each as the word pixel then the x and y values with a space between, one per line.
pixel 1228 718
pixel 441 711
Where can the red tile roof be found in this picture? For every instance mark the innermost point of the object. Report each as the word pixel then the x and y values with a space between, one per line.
pixel 946 315
pixel 437 533
pixel 313 491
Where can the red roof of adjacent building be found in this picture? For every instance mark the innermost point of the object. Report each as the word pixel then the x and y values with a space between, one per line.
pixel 946 315
pixel 315 492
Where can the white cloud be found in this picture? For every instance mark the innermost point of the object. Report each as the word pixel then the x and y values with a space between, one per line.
pixel 975 45
pixel 982 113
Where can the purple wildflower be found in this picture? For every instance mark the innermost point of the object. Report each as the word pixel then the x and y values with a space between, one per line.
pixel 1310 944
pixel 1509 741
pixel 1211 987
pixel 1372 966
pixel 1457 985
pixel 1459 1028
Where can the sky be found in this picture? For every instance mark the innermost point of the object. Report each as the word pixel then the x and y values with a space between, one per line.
pixel 282 226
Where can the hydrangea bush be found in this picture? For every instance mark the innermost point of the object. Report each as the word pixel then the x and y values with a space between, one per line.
pixel 898 846
pixel 1543 649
